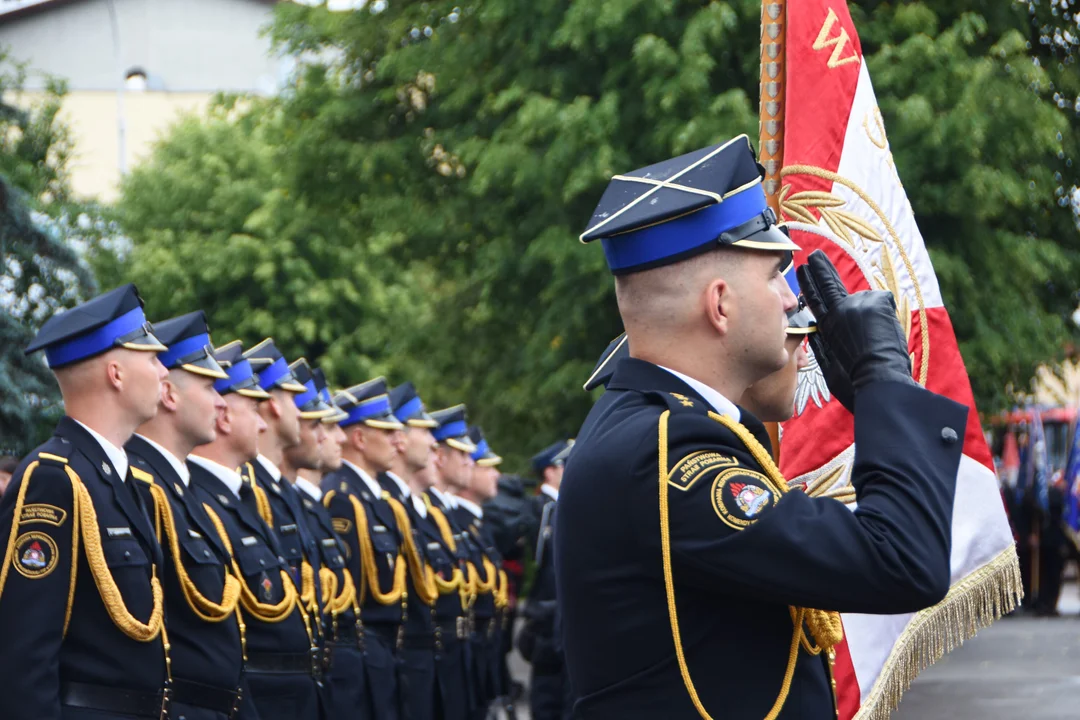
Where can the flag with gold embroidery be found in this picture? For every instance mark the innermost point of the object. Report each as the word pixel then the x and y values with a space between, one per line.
pixel 840 192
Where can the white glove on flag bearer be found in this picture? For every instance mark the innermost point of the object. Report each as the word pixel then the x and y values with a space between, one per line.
pixel 840 193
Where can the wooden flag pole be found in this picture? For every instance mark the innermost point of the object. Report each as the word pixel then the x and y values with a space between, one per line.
pixel 771 125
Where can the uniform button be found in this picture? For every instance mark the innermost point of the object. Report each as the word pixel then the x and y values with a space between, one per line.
pixel 281 560
pixel 948 435
pixel 206 553
pixel 127 554
pixel 262 562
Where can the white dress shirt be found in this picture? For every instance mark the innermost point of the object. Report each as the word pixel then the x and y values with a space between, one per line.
pixel 448 500
pixel 180 468
pixel 719 403
pixel 368 480
pixel 310 488
pixel 471 507
pixel 230 477
pixel 116 455
pixel 550 492
pixel 271 468
pixel 406 493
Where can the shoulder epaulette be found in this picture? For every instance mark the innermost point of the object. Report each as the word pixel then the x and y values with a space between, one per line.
pixel 678 403
pixel 142 475
pixel 51 459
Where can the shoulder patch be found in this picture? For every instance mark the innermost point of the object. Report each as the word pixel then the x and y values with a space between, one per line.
pixel 342 525
pixel 142 475
pixel 35 555
pixel 43 513
pixel 740 496
pixel 688 470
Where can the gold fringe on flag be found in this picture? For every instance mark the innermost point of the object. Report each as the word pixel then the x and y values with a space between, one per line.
pixel 972 604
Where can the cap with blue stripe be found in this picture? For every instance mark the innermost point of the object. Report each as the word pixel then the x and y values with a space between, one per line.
pixel 453 428
pixel 319 377
pixel 367 403
pixel 187 338
pixel 483 456
pixel 241 378
pixel 553 454
pixel 272 368
pixel 678 208
pixel 309 402
pixel 409 408
pixel 112 320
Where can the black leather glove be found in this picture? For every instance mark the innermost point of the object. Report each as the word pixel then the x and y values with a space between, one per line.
pixel 859 340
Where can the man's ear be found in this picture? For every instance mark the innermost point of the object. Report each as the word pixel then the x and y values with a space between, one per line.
pixel 170 395
pixel 224 420
pixel 718 300
pixel 114 374
pixel 274 406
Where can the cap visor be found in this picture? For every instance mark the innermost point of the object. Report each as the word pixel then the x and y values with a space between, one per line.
pixel 253 392
pixel 384 424
pixel 462 444
pixel 207 367
pixel 422 422
pixel 291 385
pixel 802 323
pixel 489 461
pixel 336 417
pixel 320 414
pixel 145 343
pixel 771 239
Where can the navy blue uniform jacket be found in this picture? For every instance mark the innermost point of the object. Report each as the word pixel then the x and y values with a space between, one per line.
pixel 741 554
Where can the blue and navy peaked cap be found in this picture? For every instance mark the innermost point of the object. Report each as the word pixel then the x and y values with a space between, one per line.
pixel 272 368
pixel 319 377
pixel 311 406
pixel 112 320
pixel 240 376
pixel 483 456
pixel 453 428
pixel 367 403
pixel 187 338
pixel 550 456
pixel 409 408
pixel 681 207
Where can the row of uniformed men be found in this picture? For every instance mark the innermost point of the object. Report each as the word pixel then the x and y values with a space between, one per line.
pixel 209 535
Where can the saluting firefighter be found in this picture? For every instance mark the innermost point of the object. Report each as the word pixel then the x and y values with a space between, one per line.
pixel 283 664
pixel 368 524
pixel 671 506
pixel 412 469
pixel 346 696
pixel 201 591
pixel 81 597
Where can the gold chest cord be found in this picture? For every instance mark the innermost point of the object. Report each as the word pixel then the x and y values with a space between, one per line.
pixel 422 575
pixel 369 570
pixel 202 606
pixel 826 623
pixel 457 578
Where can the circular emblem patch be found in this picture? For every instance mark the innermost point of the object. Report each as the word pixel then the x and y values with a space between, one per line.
pixel 739 496
pixel 35 555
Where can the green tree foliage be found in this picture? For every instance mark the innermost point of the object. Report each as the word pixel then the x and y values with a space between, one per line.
pixel 40 272
pixel 411 204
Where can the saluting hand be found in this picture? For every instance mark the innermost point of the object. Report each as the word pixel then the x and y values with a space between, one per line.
pixel 859 340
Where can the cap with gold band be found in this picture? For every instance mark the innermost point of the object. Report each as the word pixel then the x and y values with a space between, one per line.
pixel 453 428
pixel 678 208
pixel 367 403
pixel 409 408
pixel 187 338
pixel 483 456
pixel 554 454
pixel 241 378
pixel 272 368
pixel 309 402
pixel 801 320
pixel 109 321
pixel 319 377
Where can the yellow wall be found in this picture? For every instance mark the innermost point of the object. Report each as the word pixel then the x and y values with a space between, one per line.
pixel 92 117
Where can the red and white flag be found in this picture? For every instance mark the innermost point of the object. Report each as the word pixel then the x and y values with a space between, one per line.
pixel 840 192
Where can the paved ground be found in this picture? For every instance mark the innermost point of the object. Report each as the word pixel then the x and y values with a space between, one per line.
pixel 1020 668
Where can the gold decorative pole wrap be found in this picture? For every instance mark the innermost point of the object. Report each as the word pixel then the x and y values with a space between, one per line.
pixel 771 125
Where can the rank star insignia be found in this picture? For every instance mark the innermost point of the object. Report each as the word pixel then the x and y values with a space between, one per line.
pixel 179 489
pixel 105 468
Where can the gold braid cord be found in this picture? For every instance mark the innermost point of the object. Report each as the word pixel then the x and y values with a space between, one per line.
pixel 422 575
pixel 825 623
pixel 307 587
pixel 99 569
pixel 457 580
pixel 337 602
pixel 261 611
pixel 263 501
pixel 502 592
pixel 202 606
pixel 367 563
